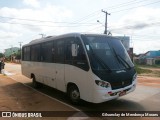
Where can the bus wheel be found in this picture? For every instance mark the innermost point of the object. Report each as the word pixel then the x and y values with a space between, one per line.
pixel 74 94
pixel 35 83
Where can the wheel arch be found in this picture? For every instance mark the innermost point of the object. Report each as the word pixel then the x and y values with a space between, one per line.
pixel 71 84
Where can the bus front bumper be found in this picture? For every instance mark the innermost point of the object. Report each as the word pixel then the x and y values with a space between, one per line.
pixel 105 95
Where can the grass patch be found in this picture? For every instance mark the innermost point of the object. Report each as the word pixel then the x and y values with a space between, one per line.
pixel 149 66
pixel 141 70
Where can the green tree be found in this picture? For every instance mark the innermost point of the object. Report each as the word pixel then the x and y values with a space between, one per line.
pixel 18 55
pixel 1 55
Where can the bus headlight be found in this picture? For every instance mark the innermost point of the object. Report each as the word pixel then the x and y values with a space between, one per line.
pixel 134 77
pixel 102 83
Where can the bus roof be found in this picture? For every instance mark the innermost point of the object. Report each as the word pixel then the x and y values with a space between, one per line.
pixel 49 38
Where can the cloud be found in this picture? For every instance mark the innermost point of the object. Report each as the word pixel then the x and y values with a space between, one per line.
pixel 33 3
pixel 24 29
pixel 49 13
pixel 142 25
pixel 139 26
pixel 8 39
pixel 139 19
pixel 8 35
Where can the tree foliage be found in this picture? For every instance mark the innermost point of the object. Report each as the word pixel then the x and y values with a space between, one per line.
pixel 1 55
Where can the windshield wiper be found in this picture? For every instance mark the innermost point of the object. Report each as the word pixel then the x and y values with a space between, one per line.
pixel 100 61
pixel 121 60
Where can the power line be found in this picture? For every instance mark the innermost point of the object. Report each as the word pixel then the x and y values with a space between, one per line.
pixel 133 26
pixel 136 26
pixel 125 4
pixel 90 15
pixel 43 21
pixel 145 39
pixel 45 25
pixel 86 17
pixel 110 8
pixel 135 7
pixel 81 24
pixel 94 28
pixel 97 12
pixel 92 18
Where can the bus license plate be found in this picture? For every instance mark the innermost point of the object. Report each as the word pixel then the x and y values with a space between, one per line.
pixel 122 93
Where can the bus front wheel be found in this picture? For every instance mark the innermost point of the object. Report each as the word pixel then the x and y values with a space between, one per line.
pixel 74 94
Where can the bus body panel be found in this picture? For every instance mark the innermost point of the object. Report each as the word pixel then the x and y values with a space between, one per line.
pixel 82 79
pixel 43 72
pixel 60 77
pixel 59 74
pixel 53 75
pixel 85 80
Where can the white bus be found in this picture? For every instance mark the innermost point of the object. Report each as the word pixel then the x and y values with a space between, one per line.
pixel 92 67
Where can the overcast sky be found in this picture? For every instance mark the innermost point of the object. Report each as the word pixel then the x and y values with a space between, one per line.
pixel 24 20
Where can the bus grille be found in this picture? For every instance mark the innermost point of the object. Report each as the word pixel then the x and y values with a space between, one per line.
pixel 120 84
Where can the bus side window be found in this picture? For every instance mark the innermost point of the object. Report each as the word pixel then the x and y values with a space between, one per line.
pixel 68 51
pixel 80 51
pixel 59 57
pixel 26 53
pixel 47 52
pixel 35 53
pixel 79 60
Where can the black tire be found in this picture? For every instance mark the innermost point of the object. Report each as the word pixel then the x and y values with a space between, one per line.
pixel 35 83
pixel 74 94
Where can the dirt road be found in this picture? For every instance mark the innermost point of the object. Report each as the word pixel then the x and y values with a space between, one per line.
pixel 17 95
pixel 150 79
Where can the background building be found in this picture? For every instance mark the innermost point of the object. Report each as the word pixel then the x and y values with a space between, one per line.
pixel 149 58
pixel 125 41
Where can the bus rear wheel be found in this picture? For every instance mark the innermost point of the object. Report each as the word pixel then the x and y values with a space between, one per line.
pixel 35 83
pixel 74 94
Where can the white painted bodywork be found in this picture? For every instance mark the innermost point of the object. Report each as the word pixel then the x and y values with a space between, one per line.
pixel 58 75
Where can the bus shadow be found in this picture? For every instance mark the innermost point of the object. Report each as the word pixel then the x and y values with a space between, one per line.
pixel 54 93
pixel 120 104
pixel 115 105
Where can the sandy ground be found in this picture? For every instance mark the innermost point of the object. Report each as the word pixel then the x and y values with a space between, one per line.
pixel 149 81
pixel 15 96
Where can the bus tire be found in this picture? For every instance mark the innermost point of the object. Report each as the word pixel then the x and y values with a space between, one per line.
pixel 35 83
pixel 74 94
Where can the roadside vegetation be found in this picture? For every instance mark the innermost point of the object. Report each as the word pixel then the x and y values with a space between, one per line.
pixel 141 70
pixel 149 66
pixel 146 70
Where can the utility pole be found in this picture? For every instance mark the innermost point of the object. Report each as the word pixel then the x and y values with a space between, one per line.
pixel 105 31
pixel 20 43
pixel 11 53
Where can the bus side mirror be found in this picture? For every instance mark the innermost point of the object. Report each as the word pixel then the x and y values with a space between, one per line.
pixel 74 50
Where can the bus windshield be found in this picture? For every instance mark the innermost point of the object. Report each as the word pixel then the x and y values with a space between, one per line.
pixel 106 53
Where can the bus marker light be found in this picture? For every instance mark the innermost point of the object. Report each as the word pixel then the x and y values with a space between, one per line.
pixel 109 92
